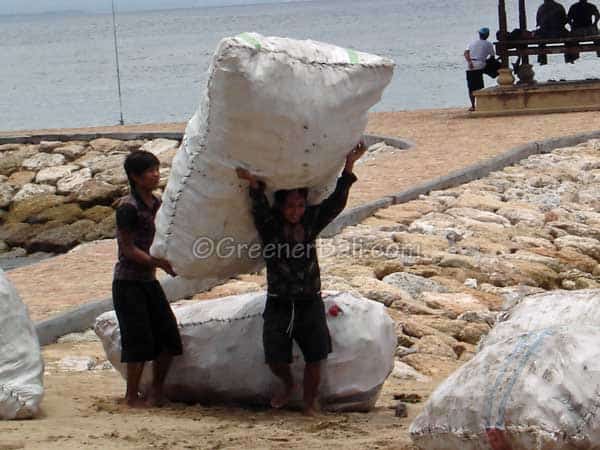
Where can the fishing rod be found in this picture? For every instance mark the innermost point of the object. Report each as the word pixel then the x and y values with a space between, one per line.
pixel 121 122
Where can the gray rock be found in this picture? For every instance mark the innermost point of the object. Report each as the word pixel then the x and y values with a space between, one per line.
pixel 102 164
pixel 159 146
pixel 71 151
pixel 33 190
pixel 96 192
pixel 106 146
pixel 60 239
pixel 73 182
pixel 11 161
pixel 115 175
pixel 48 146
pixel 21 178
pixel 4 247
pixel 413 284
pixel 6 195
pixel 51 175
pixel 487 317
pixel 43 160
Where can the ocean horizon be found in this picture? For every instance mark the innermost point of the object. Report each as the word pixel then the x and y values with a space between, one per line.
pixel 59 68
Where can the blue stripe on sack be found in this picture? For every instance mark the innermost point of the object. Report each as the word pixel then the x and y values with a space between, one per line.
pixel 495 387
pixel 517 373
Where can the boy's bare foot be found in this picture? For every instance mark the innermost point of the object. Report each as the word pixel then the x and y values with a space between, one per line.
pixel 311 410
pixel 157 399
pixel 136 402
pixel 280 400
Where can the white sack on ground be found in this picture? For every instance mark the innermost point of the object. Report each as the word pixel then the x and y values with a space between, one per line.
pixel 287 110
pixel 536 379
pixel 21 365
pixel 548 309
pixel 223 356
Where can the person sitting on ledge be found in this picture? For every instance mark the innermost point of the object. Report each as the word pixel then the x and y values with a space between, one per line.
pixel 551 20
pixel 294 309
pixel 583 19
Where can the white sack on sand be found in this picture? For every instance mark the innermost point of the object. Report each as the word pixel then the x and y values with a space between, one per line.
pixel 535 382
pixel 223 358
pixel 21 365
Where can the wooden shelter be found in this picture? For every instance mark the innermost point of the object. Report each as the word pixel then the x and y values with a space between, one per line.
pixel 525 47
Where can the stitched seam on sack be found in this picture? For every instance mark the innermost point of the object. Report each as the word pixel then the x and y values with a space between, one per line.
pixel 192 157
pixel 383 63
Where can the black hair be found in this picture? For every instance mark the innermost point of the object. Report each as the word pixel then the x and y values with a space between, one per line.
pixel 282 194
pixel 136 163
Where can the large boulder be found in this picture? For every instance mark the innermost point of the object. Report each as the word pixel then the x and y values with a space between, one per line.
pixel 33 190
pixel 73 182
pixel 21 365
pixel 11 161
pixel 21 211
pixel 223 357
pixel 43 160
pixel 60 239
pixel 288 111
pixel 532 385
pixel 96 192
pixel 6 194
pixel 50 175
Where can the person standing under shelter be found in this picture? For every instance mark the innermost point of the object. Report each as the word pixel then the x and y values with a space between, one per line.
pixel 476 55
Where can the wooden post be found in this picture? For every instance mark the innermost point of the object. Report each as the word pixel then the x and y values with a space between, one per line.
pixel 502 33
pixel 505 77
pixel 523 25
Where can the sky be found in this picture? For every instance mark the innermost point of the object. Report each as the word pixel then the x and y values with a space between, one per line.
pixel 45 6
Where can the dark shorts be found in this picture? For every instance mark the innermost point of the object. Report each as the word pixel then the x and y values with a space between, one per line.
pixel 148 326
pixel 475 80
pixel 309 330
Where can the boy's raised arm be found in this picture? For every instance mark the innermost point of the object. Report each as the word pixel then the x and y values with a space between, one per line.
pixel 261 210
pixel 333 205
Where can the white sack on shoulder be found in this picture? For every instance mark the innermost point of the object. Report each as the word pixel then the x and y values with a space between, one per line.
pixel 287 110
pixel 21 365
pixel 223 356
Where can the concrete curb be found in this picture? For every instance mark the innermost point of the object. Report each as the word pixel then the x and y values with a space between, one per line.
pixel 83 317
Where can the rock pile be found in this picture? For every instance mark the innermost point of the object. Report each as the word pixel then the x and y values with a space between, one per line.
pixel 55 195
pixel 445 264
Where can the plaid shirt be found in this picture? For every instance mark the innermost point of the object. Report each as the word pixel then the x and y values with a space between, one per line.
pixel 134 216
pixel 292 266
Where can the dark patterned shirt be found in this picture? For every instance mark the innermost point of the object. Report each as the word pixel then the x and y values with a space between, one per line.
pixel 134 216
pixel 292 266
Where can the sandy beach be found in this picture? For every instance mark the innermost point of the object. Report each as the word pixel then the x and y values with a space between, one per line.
pixel 81 409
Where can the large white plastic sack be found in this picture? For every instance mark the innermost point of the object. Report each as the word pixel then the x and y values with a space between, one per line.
pixel 287 110
pixel 21 365
pixel 223 357
pixel 545 310
pixel 535 382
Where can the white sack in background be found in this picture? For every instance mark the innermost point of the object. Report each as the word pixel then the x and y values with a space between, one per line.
pixel 287 110
pixel 223 356
pixel 21 365
pixel 548 309
pixel 536 379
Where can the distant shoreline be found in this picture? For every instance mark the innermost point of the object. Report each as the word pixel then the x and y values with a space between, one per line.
pixel 77 12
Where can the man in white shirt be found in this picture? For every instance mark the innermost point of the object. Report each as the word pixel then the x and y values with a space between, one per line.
pixel 476 55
